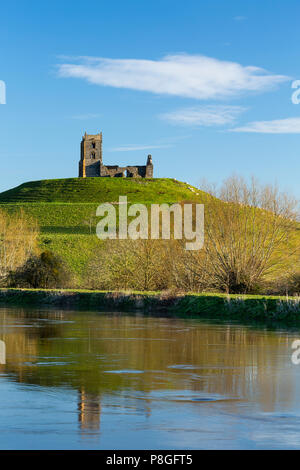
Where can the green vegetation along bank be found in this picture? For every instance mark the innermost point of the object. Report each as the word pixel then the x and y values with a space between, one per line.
pixel 247 307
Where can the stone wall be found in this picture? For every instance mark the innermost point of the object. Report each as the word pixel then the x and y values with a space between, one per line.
pixel 114 171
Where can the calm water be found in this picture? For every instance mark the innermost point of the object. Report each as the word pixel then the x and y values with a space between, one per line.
pixel 76 380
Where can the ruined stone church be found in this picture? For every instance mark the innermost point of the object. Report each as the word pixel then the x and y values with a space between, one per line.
pixel 91 163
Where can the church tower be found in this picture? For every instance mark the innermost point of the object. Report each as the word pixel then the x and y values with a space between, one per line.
pixel 90 155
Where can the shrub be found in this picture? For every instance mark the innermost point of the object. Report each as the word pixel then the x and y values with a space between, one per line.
pixel 45 271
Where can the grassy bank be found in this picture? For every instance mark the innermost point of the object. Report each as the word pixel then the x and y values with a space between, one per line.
pixel 248 307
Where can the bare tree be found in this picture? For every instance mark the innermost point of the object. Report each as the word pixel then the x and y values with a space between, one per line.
pixel 250 233
pixel 128 264
pixel 112 266
pixel 152 264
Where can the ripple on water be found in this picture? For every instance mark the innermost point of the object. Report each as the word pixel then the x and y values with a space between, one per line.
pixel 124 371
pixel 184 396
pixel 50 363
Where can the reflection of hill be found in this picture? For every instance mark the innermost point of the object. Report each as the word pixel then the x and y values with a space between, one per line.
pixel 89 352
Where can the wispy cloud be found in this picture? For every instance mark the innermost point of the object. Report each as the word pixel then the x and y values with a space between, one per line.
pixel 85 116
pixel 240 18
pixel 133 147
pixel 204 115
pixel 279 126
pixel 192 76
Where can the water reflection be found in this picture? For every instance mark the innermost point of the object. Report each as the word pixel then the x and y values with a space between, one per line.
pixel 89 408
pixel 134 366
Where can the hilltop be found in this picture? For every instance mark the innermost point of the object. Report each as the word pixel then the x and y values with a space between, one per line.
pixel 98 190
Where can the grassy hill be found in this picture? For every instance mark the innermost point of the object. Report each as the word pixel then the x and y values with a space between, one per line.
pixel 88 190
pixel 69 205
pixel 66 208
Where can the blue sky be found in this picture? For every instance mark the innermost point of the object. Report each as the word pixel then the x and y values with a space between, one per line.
pixel 205 87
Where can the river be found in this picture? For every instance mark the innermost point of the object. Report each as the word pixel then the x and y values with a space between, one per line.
pixel 88 380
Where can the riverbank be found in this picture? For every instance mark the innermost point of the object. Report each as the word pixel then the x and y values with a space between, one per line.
pixel 190 304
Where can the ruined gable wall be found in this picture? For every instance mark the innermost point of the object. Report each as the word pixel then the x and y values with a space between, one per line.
pixel 137 171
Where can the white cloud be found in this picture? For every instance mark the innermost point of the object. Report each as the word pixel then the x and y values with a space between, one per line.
pixel 204 115
pixel 191 76
pixel 279 126
pixel 133 147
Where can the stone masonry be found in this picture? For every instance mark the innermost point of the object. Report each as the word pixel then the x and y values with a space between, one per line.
pixel 91 162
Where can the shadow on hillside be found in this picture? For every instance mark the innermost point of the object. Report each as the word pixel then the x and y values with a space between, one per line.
pixel 80 230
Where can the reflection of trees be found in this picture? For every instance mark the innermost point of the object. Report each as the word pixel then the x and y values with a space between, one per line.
pixel 78 349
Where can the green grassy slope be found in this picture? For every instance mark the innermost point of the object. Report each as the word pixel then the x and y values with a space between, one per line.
pixel 66 208
pixel 68 205
pixel 97 190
